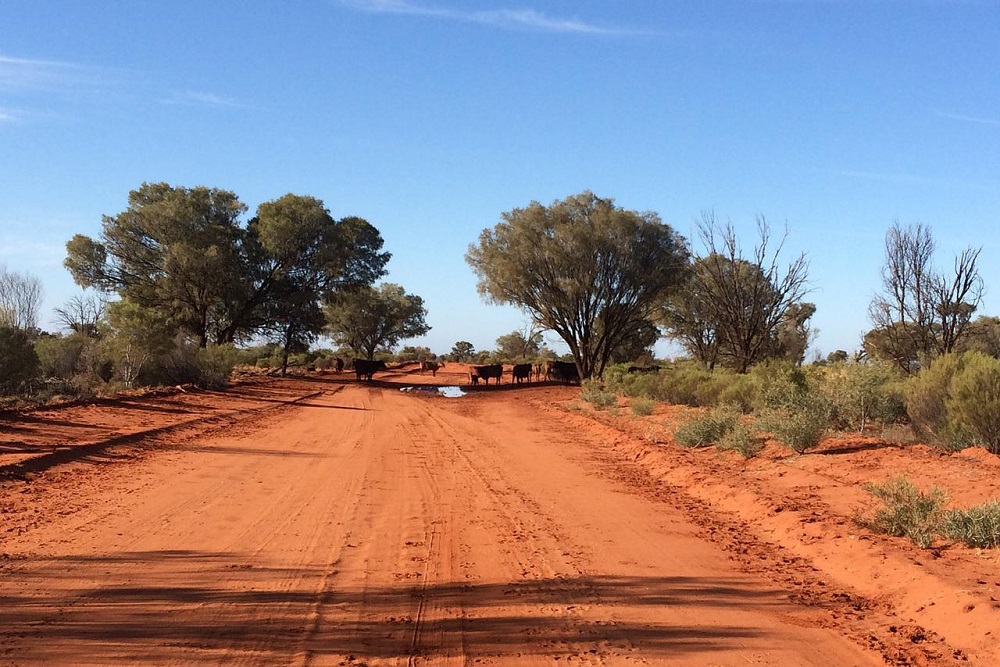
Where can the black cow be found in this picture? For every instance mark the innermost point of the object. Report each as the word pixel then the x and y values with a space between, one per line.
pixel 340 365
pixel 520 373
pixel 365 369
pixel 644 369
pixel 484 373
pixel 562 370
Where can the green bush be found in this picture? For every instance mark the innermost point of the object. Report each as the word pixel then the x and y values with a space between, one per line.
pixel 906 511
pixel 737 389
pixel 862 393
pixel 926 402
pixel 977 526
pixel 593 392
pixel 18 360
pixel 707 429
pixel 973 402
pixel 642 407
pixel 800 424
pixel 58 355
pixel 215 364
pixel 742 440
pixel 778 384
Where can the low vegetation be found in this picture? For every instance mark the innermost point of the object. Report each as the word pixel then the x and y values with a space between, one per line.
pixel 906 511
pixel 707 429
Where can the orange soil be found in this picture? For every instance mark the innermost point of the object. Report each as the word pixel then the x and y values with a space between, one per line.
pixel 321 521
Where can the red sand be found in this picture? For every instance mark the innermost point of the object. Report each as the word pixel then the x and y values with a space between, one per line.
pixel 323 521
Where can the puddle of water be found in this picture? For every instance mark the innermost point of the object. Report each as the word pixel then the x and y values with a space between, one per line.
pixel 447 392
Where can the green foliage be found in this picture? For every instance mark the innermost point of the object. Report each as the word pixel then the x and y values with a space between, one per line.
pixel 518 346
pixel 684 383
pixel 462 351
pixel 956 401
pixel 800 422
pixel 707 429
pixel 58 356
pixel 581 267
pixel 977 526
pixel 742 440
pixel 926 400
pixel 863 394
pixel 973 403
pixel 593 392
pixel 183 253
pixel 215 364
pixel 778 384
pixel 642 407
pixel 18 360
pixel 906 511
pixel 411 353
pixel 369 318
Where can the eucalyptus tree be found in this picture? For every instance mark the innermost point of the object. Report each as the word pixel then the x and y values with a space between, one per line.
pixel 302 257
pixel 175 250
pixel 185 253
pixel 519 344
pixel 367 319
pixel 582 267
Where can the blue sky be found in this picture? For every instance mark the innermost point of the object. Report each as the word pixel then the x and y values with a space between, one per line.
pixel 429 118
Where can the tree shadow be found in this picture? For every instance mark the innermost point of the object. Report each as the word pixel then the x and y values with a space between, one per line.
pixel 220 602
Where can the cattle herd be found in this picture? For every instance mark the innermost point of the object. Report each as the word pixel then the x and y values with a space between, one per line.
pixel 557 371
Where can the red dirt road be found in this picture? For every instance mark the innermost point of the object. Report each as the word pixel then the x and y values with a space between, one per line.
pixel 327 522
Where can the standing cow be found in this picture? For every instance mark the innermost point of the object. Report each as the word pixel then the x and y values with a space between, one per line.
pixel 562 370
pixel 484 373
pixel 431 366
pixel 520 373
pixel 365 369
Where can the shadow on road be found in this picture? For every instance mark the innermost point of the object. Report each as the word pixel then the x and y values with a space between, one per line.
pixel 220 603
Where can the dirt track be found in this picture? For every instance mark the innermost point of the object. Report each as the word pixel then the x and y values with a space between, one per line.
pixel 332 523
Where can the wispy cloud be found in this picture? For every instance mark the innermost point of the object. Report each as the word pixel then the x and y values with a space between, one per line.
pixel 203 99
pixel 900 178
pixel 979 120
pixel 23 74
pixel 501 18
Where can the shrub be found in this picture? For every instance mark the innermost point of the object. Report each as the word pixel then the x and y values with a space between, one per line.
pixel 862 393
pixel 18 360
pixel 738 390
pixel 707 429
pixel 742 440
pixel 642 407
pixel 58 355
pixel 778 384
pixel 977 526
pixel 801 424
pixel 973 403
pixel 906 511
pixel 926 401
pixel 593 392
pixel 215 364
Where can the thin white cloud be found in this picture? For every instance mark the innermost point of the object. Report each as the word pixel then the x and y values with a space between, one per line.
pixel 501 18
pixel 979 120
pixel 910 179
pixel 24 74
pixel 203 99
